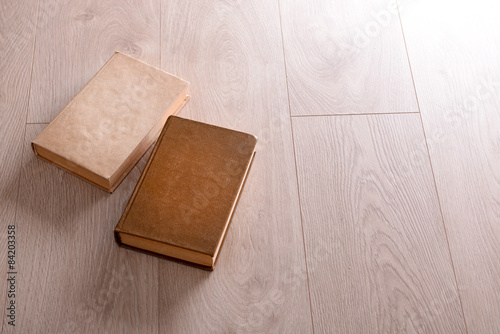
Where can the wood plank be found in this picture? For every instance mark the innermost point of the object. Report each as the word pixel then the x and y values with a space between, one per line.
pixel 231 53
pixel 74 40
pixel 376 249
pixel 345 57
pixel 72 276
pixel 453 48
pixel 17 36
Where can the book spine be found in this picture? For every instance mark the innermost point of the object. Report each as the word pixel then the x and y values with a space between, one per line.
pixel 139 183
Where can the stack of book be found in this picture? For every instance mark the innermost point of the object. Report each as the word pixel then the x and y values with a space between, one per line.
pixel 184 200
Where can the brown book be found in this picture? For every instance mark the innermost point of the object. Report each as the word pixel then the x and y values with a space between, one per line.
pixel 183 203
pixel 109 125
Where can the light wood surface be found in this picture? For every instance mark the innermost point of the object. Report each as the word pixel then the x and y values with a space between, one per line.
pixel 345 57
pixel 377 255
pixel 70 273
pixel 74 40
pixel 454 51
pixel 349 223
pixel 72 276
pixel 17 35
pixel 231 53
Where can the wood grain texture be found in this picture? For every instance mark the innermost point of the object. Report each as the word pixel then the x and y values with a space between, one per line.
pixel 231 53
pixel 74 40
pixel 72 275
pixel 377 255
pixel 17 35
pixel 345 57
pixel 73 278
pixel 453 49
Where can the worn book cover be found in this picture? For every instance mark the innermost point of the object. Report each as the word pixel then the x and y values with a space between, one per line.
pixel 107 127
pixel 182 205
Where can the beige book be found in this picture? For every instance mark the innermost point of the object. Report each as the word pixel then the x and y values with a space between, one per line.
pixel 109 125
pixel 183 203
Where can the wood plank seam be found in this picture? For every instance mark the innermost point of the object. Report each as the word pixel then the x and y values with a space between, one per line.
pixel 28 104
pixel 295 166
pixel 24 130
pixel 432 171
pixel 361 114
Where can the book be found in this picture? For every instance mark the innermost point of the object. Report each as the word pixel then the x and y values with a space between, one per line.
pixel 184 200
pixel 109 125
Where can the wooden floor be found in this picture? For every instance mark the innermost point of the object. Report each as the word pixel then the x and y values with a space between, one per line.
pixel 373 205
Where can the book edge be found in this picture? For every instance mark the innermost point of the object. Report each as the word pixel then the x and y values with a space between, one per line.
pixel 165 243
pixel 165 257
pixel 235 205
pixel 67 170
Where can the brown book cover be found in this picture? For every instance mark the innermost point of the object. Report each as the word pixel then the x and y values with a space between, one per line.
pixel 183 203
pixel 109 125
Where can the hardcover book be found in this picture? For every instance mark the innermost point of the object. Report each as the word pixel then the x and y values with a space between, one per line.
pixel 183 203
pixel 109 125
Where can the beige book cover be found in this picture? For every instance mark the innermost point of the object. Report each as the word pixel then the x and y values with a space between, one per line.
pixel 109 125
pixel 183 203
